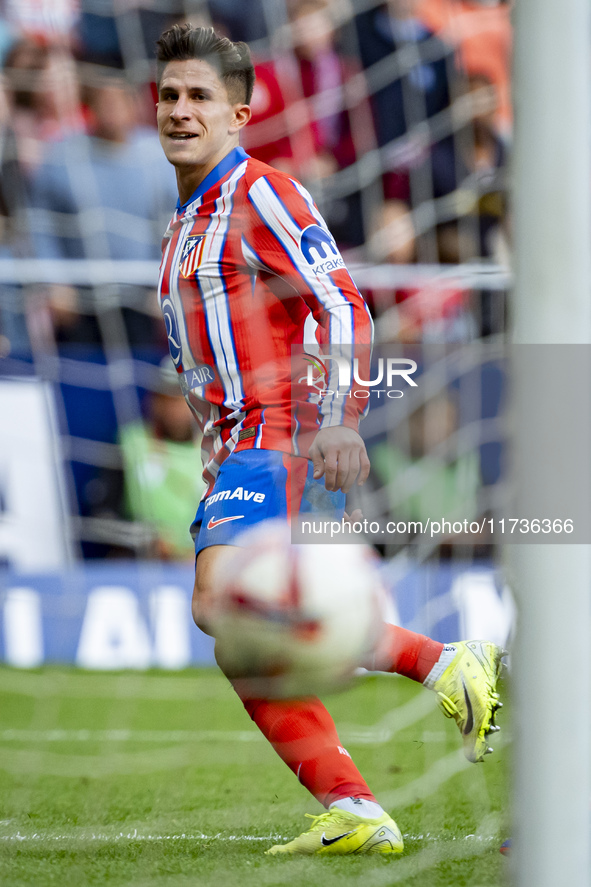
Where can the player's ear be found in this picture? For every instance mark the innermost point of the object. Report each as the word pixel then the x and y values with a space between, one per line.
pixel 242 114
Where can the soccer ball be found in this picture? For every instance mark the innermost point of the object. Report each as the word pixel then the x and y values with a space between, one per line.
pixel 295 620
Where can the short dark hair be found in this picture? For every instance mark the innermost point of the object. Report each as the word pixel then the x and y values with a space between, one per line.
pixel 232 61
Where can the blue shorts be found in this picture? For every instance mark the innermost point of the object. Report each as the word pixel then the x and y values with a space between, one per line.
pixel 256 485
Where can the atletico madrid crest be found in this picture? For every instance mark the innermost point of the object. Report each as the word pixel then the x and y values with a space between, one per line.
pixel 191 255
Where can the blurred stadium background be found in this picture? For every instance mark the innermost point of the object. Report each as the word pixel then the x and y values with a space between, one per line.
pixel 397 117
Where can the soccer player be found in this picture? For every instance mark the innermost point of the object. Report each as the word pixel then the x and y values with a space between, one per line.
pixel 250 270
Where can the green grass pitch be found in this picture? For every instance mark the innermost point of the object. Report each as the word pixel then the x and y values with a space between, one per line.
pixel 161 779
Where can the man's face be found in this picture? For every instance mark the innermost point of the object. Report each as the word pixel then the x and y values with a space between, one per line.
pixel 114 112
pixel 197 122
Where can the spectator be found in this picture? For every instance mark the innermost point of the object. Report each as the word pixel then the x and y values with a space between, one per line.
pixel 108 195
pixel 469 180
pixel 124 35
pixel 425 476
pixel 12 187
pixel 393 236
pixel 47 22
pixel 480 30
pixel 13 332
pixel 244 21
pixel 162 469
pixel 43 97
pixel 420 86
pixel 470 165
pixel 413 312
pixel 301 120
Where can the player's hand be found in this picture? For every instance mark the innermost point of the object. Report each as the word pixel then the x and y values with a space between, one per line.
pixel 339 454
pixel 353 518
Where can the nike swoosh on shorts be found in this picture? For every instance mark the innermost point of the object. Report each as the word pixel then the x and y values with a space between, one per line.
pixel 222 520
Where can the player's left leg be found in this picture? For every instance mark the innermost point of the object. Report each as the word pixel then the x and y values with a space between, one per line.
pixel 464 674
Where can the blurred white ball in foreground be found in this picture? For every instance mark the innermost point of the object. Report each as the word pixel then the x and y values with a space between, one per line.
pixel 294 620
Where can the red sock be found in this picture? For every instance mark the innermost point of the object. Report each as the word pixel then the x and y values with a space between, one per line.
pixel 407 653
pixel 304 736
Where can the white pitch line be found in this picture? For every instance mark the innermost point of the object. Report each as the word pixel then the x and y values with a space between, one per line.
pixel 42 837
pixel 140 686
pixel 89 837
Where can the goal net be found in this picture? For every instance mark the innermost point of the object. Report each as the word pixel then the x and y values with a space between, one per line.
pixel 396 117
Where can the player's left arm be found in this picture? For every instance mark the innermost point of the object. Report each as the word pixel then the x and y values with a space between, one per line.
pixel 288 238
pixel 338 454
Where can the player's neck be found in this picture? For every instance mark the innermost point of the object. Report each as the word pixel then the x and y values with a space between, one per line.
pixel 188 178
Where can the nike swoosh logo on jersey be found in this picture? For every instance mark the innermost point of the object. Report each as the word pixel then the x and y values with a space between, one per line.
pixel 326 842
pixel 222 520
pixel 470 718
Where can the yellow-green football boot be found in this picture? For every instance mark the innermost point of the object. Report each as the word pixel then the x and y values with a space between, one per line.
pixel 467 691
pixel 339 833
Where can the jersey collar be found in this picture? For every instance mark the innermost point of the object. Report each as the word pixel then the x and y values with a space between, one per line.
pixel 227 163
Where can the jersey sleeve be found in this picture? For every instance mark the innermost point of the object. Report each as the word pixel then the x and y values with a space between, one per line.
pixel 286 237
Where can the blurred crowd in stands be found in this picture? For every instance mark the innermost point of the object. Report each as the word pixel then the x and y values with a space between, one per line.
pixel 395 115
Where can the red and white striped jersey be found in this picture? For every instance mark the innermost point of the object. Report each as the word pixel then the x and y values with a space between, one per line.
pixel 250 278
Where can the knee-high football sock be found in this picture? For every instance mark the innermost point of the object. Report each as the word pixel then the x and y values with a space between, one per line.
pixel 407 653
pixel 304 736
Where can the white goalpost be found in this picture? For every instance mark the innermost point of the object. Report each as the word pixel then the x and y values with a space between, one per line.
pixel 552 306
